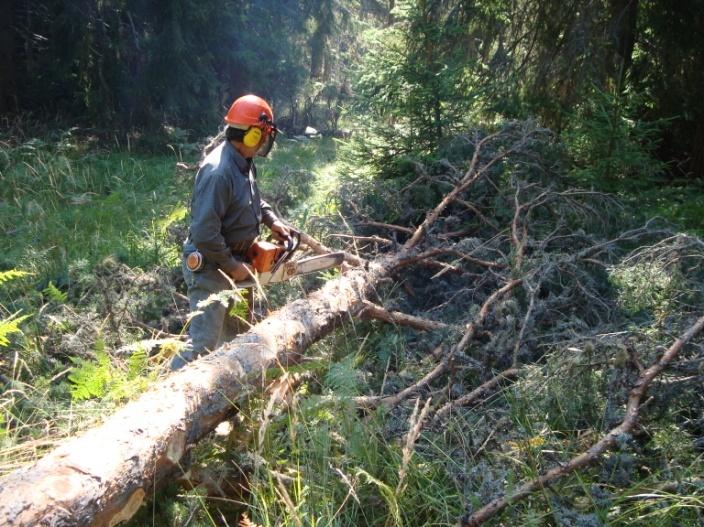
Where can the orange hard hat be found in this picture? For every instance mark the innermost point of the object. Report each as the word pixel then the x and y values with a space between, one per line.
pixel 250 110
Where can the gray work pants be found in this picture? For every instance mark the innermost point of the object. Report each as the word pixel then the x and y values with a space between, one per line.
pixel 212 325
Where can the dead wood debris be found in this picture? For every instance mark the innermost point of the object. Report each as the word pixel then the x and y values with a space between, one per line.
pixel 529 260
pixel 372 310
pixel 475 394
pixel 592 454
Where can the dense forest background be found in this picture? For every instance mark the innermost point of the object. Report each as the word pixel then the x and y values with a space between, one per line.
pixel 141 65
pixel 620 78
pixel 569 135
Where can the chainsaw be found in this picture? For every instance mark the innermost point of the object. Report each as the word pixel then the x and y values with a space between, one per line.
pixel 272 262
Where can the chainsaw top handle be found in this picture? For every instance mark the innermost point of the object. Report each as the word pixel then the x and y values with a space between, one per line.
pixel 291 244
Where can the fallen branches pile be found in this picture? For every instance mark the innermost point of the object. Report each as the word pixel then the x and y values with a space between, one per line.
pixel 608 441
pixel 513 269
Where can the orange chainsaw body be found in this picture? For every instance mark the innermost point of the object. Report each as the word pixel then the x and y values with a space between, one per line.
pixel 263 255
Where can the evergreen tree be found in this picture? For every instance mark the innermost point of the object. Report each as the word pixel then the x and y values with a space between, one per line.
pixel 131 63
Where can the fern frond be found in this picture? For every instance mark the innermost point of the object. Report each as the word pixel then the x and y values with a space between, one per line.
pixel 12 274
pixel 240 309
pixel 91 378
pixel 137 364
pixel 87 380
pixel 9 326
pixel 343 377
pixel 55 294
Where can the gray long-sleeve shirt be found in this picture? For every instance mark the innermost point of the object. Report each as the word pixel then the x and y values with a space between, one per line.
pixel 226 207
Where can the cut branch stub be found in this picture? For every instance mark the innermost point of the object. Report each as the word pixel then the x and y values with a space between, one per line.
pixel 372 310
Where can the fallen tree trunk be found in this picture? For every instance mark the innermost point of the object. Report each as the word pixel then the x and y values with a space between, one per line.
pixel 102 477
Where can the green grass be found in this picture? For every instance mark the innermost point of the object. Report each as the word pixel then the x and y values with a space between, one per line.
pixel 57 210
pixel 682 204
pixel 301 178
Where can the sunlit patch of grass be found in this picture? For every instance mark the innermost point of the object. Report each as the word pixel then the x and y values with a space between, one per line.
pixel 57 209
pixel 303 176
pixel 35 418
pixel 646 285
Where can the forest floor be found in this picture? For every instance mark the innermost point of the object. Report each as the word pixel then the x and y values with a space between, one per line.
pixel 95 239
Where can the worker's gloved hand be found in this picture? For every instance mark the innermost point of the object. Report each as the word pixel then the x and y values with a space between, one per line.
pixel 280 231
pixel 242 272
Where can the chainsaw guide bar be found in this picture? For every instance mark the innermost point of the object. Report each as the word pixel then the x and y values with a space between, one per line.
pixel 292 268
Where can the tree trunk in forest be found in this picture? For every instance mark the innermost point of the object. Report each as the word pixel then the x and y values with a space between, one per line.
pixel 318 41
pixel 317 55
pixel 8 87
pixel 390 15
pixel 102 477
pixel 624 17
pixel 697 164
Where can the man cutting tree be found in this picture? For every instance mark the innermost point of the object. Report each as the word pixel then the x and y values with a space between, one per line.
pixel 226 214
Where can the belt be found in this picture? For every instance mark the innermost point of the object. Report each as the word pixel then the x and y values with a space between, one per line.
pixel 238 249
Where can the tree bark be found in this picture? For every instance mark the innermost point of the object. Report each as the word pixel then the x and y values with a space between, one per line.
pixel 102 477
pixel 8 86
pixel 319 40
pixel 624 18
